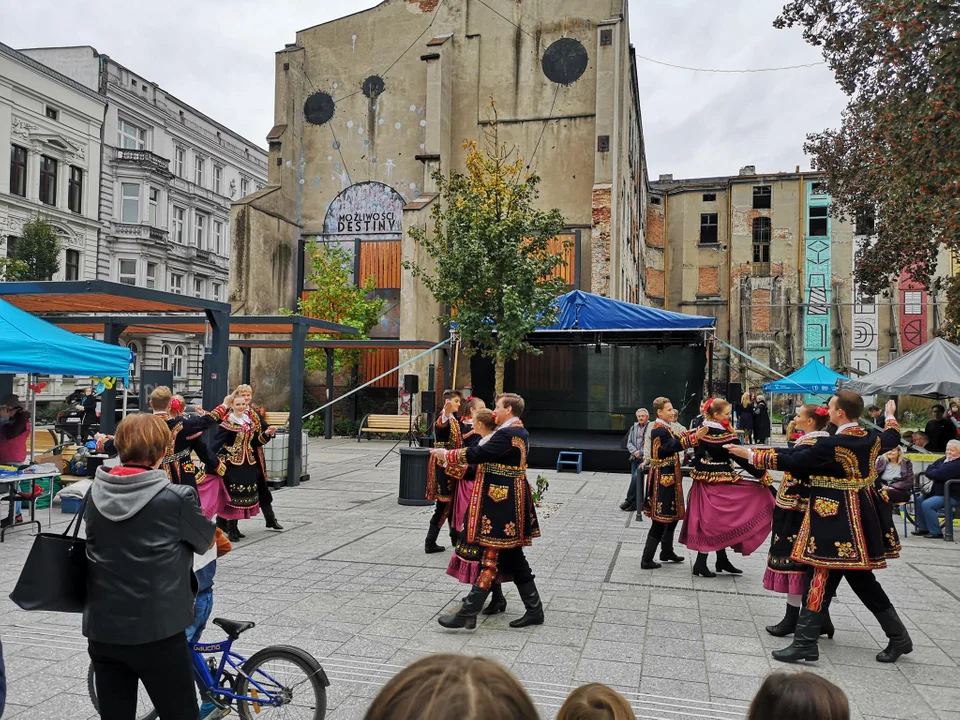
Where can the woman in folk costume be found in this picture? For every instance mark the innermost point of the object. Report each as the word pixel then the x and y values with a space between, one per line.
pixel 465 564
pixel 237 442
pixel 263 490
pixel 724 509
pixel 784 574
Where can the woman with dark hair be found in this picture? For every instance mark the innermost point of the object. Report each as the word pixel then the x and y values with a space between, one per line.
pixel 799 696
pixel 761 421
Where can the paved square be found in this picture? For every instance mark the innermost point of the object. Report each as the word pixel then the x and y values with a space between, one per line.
pixel 349 582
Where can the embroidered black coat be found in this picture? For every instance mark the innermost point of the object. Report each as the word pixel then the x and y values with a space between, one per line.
pixel 712 463
pixel 441 481
pixel 664 502
pixel 501 513
pixel 845 526
pixel 240 459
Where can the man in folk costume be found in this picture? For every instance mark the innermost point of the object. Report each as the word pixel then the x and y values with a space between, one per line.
pixel 501 518
pixel 846 532
pixel 664 501
pixel 441 480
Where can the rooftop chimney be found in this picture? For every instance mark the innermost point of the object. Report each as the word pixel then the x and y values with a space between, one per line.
pixel 748 170
pixel 668 177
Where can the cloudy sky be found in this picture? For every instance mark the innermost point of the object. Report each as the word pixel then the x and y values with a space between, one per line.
pixel 217 55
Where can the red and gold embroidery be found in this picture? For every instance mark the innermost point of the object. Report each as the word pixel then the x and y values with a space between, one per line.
pixel 486 526
pixel 824 507
pixel 765 459
pixel 510 529
pixel 845 550
pixel 498 493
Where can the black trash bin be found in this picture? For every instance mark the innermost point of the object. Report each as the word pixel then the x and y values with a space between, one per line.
pixel 414 462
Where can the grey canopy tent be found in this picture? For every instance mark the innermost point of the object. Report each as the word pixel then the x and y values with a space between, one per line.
pixel 931 370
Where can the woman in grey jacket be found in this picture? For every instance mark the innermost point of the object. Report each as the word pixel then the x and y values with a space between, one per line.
pixel 142 533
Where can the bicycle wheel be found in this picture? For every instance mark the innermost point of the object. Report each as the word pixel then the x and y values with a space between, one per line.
pixel 288 673
pixel 145 709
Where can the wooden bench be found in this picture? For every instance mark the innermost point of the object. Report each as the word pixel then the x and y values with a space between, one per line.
pixel 385 425
pixel 45 440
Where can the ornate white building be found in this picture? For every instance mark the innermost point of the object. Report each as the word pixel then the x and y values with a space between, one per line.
pixel 169 175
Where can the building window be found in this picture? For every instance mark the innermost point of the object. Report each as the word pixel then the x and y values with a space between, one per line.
pixel 762 197
pixel 217 236
pixel 655 200
pixel 131 137
pixel 135 352
pixel 179 160
pixel 177 224
pixel 153 206
pixel 216 291
pixel 866 222
pixel 130 203
pixel 179 355
pixel 708 229
pixel 198 171
pixel 818 221
pixel 913 303
pixel 201 228
pixel 48 180
pixel 127 272
pixel 761 240
pixel 18 170
pixel 11 246
pixel 217 179
pixel 818 188
pixel 75 190
pixel 165 357
pixel 244 185
pixel 176 283
pixel 152 276
pixel 198 287
pixel 72 271
pixel 709 197
pixel 53 113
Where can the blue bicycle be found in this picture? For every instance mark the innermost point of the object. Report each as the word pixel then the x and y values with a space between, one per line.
pixel 279 681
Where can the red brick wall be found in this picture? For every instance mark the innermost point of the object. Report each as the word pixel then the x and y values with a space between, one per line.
pixel 600 242
pixel 654 283
pixel 655 226
pixel 708 280
pixel 760 310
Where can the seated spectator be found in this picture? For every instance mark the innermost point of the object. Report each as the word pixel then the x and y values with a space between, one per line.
pixel 142 533
pixel 944 469
pixel 895 476
pixel 876 415
pixel 453 687
pixel 799 696
pixel 920 440
pixel 940 430
pixel 595 702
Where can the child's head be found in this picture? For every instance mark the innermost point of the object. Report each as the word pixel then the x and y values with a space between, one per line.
pixel 799 696
pixel 474 404
pixel 716 409
pixel 484 422
pixel 812 417
pixel 595 702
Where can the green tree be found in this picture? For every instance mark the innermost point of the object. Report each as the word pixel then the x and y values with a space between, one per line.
pixel 336 299
pixel 38 248
pixel 11 269
pixel 896 156
pixel 493 254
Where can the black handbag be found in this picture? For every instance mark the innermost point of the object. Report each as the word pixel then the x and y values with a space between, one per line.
pixel 54 577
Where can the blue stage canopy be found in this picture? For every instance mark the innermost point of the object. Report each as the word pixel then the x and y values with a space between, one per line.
pixel 583 311
pixel 814 377
pixel 31 345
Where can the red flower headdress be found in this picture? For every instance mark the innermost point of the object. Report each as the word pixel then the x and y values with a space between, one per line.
pixel 822 411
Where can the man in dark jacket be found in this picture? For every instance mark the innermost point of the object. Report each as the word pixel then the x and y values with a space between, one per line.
pixel 142 533
pixel 89 404
pixel 635 448
pixel 940 429
pixel 928 509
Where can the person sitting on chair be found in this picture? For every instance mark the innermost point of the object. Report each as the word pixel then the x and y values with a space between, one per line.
pixel 928 508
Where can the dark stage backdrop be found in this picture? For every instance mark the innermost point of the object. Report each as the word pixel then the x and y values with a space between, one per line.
pixel 576 388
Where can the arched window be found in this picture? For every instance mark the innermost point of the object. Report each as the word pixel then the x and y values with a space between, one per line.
pixel 179 355
pixel 135 350
pixel 165 357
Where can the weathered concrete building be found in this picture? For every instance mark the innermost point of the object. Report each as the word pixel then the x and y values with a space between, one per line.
pixel 764 255
pixel 368 106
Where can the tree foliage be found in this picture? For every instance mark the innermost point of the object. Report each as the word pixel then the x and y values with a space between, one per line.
pixel 337 299
pixel 493 253
pixel 897 152
pixel 38 249
pixel 11 269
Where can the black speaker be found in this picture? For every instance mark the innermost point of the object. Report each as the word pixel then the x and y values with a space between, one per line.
pixel 428 401
pixel 411 384
pixel 734 392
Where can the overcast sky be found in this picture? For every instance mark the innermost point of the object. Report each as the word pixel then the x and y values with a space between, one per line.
pixel 217 55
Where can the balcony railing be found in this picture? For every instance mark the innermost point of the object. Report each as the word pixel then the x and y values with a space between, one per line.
pixel 146 159
pixel 143 232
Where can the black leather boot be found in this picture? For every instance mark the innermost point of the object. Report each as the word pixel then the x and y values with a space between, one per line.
pixel 900 642
pixel 724 564
pixel 531 601
pixel 498 603
pixel 223 524
pixel 827 628
pixel 466 616
pixel 430 544
pixel 787 625
pixel 805 637
pixel 666 546
pixel 700 566
pixel 647 562
pixel 270 517
pixel 233 532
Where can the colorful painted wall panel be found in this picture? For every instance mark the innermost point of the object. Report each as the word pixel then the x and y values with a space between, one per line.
pixel 817 277
pixel 865 347
pixel 912 313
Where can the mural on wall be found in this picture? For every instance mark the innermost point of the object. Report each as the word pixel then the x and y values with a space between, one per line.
pixel 866 336
pixel 913 298
pixel 818 291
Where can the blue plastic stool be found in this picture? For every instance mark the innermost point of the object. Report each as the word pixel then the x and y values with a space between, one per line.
pixel 570 459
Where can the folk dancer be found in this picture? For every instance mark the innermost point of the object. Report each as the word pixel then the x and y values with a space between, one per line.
pixel 664 501
pixel 263 490
pixel 441 481
pixel 238 443
pixel 501 518
pixel 724 510
pixel 784 574
pixel 845 531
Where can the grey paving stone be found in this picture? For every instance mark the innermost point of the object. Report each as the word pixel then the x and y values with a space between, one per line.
pixel 673 647
pixel 732 664
pixel 608 672
pixel 941 698
pixel 610 650
pixel 734 644
pixel 660 666
pixel 674 688
pixel 735 687
pixel 556 655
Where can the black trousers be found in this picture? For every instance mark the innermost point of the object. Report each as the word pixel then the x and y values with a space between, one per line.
pixel 165 669
pixel 660 528
pixel 264 496
pixel 824 584
pixel 85 422
pixel 508 562
pixel 440 514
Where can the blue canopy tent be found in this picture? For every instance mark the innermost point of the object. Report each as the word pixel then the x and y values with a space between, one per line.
pixel 812 378
pixel 584 311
